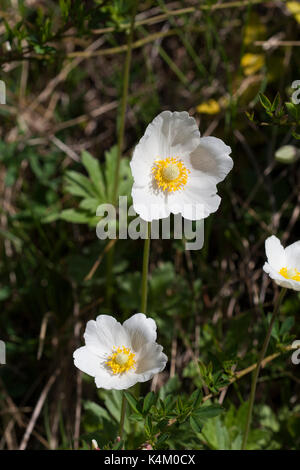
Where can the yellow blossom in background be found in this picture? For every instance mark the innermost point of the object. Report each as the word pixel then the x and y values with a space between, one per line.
pixel 294 8
pixel 254 30
pixel 252 63
pixel 209 107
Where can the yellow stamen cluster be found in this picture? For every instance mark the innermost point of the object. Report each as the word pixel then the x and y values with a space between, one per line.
pixel 291 273
pixel 170 174
pixel 121 360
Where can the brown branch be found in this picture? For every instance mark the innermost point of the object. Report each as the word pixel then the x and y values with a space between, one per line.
pixel 37 410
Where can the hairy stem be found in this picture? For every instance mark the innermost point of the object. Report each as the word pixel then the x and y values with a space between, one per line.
pixel 145 271
pixel 122 418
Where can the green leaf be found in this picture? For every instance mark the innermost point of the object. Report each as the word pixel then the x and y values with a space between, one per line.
pixel 126 180
pixel 79 185
pixel 125 177
pixel 148 425
pixel 72 215
pixel 250 115
pixel 51 217
pixel 265 102
pixel 209 411
pixel 97 410
pixel 168 403
pixel 132 402
pixel 149 400
pixel 162 424
pixel 162 438
pixel 65 8
pixel 287 325
pixel 296 135
pixel 276 102
pixel 89 204
pixel 110 169
pixel 196 398
pixel 293 110
pixel 179 405
pixel 113 402
pixel 93 168
pixel 196 425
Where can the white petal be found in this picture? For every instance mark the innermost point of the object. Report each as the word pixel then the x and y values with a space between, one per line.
pixel 150 205
pixel 275 253
pixel 93 341
pixel 144 156
pixel 104 334
pixel 168 135
pixel 197 200
pixel 211 158
pixel 176 134
pixel 109 381
pixel 295 285
pixel 292 253
pixel 86 361
pixel 150 361
pixel 141 330
pixel 278 278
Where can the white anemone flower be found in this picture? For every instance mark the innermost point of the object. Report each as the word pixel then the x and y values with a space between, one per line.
pixel 177 171
pixel 119 356
pixel 283 263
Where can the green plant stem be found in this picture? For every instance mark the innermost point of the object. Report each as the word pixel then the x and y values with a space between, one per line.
pixel 124 99
pixel 109 276
pixel 182 11
pixel 258 366
pixel 110 256
pixel 145 271
pixel 122 418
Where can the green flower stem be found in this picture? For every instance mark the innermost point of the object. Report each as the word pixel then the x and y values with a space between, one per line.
pixel 258 366
pixel 145 270
pixel 122 418
pixel 110 255
pixel 124 100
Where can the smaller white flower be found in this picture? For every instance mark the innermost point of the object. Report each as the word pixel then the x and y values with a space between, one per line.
pixel 283 263
pixel 119 356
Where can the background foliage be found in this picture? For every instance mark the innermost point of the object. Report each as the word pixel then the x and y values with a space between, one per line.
pixel 231 65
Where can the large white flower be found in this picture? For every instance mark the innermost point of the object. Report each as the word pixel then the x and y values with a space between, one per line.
pixel 118 356
pixel 283 263
pixel 176 171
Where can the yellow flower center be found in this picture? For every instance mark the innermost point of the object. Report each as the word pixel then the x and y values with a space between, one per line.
pixel 121 360
pixel 170 174
pixel 290 273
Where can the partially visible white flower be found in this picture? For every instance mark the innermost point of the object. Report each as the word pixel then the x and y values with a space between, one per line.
pixel 176 171
pixel 287 154
pixel 119 356
pixel 283 263
pixel 95 445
